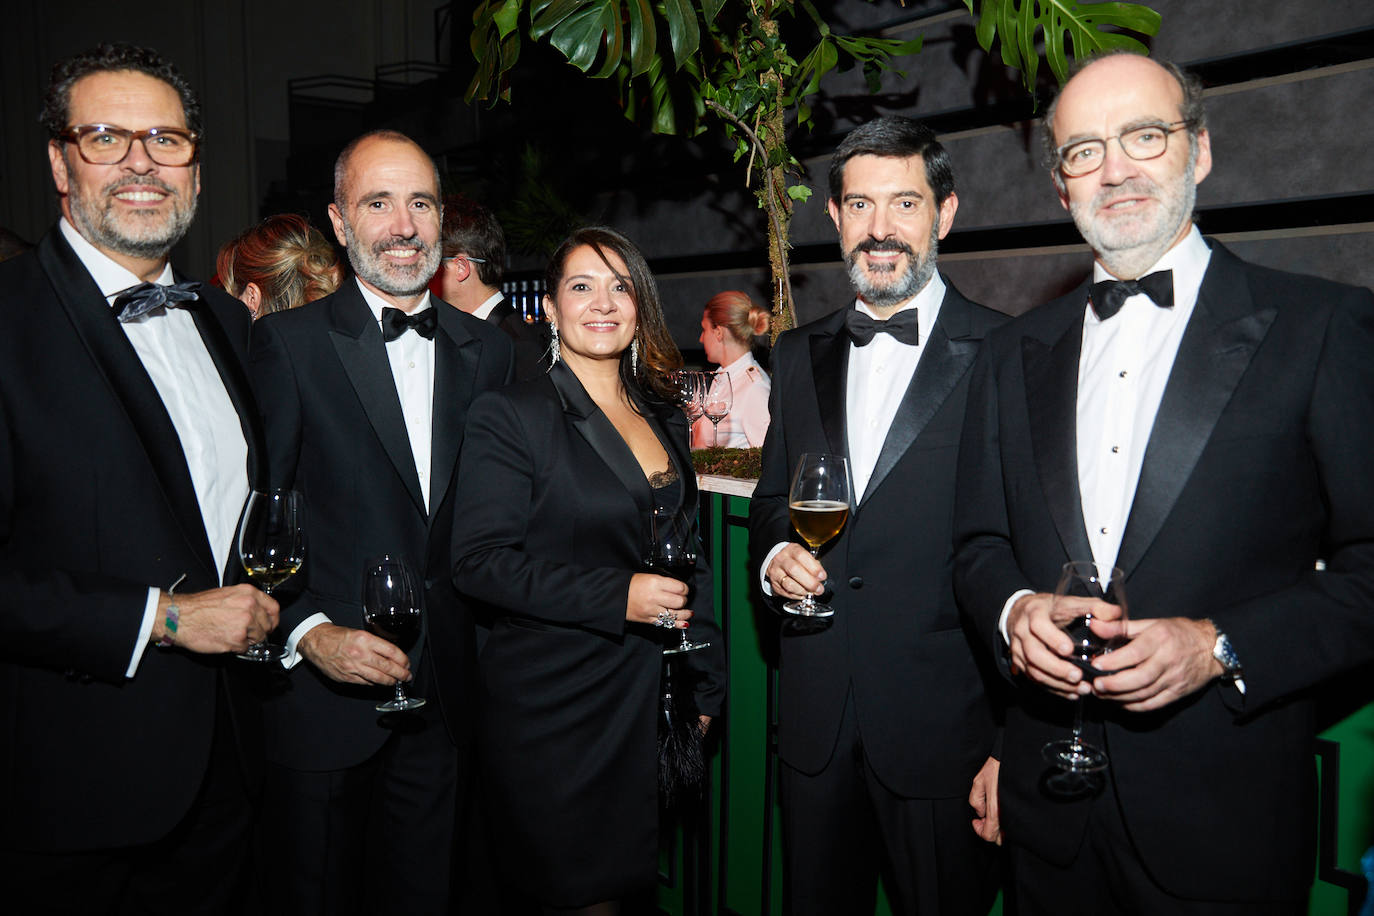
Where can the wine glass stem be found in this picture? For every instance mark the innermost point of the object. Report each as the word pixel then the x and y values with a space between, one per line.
pixel 1078 722
pixel 715 432
pixel 810 600
pixel 400 692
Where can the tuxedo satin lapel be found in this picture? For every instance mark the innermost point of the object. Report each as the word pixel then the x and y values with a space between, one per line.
pixel 1051 377
pixel 456 354
pixel 1221 338
pixel 117 360
pixel 943 363
pixel 593 425
pixel 829 363
pixel 500 310
pixel 358 341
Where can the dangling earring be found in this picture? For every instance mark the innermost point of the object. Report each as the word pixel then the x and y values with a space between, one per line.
pixel 554 351
pixel 634 356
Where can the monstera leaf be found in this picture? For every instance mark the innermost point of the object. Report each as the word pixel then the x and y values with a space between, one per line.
pixel 1015 23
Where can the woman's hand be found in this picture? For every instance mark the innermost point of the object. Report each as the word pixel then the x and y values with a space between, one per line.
pixel 656 600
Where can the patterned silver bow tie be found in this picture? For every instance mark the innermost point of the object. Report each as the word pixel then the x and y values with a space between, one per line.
pixel 137 301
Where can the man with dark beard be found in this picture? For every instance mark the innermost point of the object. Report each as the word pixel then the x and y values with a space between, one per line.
pixel 884 728
pixel 364 395
pixel 128 440
pixel 1204 425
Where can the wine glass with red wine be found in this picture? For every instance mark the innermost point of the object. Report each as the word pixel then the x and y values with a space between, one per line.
pixel 671 551
pixel 1093 634
pixel 391 609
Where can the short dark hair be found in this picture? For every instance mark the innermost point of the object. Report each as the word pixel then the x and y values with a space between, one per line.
pixel 658 354
pixel 472 229
pixel 1190 108
pixel 112 57
pixel 895 137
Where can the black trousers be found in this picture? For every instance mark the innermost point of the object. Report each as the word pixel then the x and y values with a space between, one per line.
pixel 1107 878
pixel 378 837
pixel 842 828
pixel 198 868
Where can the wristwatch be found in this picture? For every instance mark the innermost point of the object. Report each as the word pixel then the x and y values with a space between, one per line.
pixel 1223 652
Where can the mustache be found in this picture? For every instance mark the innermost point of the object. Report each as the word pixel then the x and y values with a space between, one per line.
pixel 882 245
pixel 145 181
pixel 397 241
pixel 1142 186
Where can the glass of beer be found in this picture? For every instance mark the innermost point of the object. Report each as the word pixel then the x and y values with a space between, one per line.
pixel 818 504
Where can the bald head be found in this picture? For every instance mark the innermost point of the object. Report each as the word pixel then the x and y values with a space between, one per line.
pixel 341 165
pixel 1135 200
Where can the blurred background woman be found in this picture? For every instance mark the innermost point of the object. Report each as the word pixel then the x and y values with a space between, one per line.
pixel 728 326
pixel 280 263
pixel 560 476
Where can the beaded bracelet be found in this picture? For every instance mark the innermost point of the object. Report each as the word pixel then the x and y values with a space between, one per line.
pixel 169 636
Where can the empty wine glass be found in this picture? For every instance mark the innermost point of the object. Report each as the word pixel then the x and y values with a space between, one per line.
pixel 688 390
pixel 671 550
pixel 1073 757
pixel 391 608
pixel 818 505
pixel 717 401
pixel 272 548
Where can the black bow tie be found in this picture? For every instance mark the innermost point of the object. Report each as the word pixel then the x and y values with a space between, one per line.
pixel 903 326
pixel 1109 295
pixel 396 322
pixel 137 301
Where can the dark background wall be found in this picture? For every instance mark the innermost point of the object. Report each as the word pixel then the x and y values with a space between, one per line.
pixel 284 85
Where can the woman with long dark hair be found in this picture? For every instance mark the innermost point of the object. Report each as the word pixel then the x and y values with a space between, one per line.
pixel 560 476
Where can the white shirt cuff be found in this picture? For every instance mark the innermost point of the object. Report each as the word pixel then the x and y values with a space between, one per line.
pixel 145 631
pixel 293 656
pixel 1006 609
pixel 763 570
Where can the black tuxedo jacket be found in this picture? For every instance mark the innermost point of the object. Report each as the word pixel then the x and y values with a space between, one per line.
pixel 96 506
pixel 1256 467
pixel 336 433
pixel 531 341
pixel 896 638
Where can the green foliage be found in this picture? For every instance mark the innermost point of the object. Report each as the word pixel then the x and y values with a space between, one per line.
pixel 745 463
pixel 1015 23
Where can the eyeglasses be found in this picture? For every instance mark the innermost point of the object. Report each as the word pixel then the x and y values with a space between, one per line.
pixel 463 257
pixel 105 144
pixel 1140 143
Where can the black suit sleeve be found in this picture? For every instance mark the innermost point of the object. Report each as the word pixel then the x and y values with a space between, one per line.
pixel 1324 624
pixel 273 377
pixel 986 573
pixel 769 523
pixel 494 504
pixel 60 619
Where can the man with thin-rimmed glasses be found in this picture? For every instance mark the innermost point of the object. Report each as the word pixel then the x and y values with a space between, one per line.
pixel 1204 425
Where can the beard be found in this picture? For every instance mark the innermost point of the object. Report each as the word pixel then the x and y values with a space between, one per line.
pixel 144 234
pixel 392 279
pixel 899 287
pixel 1128 246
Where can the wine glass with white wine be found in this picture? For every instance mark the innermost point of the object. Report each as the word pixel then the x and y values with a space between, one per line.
pixel 272 549
pixel 818 504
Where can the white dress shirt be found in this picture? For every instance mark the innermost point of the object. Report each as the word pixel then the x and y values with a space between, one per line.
pixel 412 369
pixel 174 356
pixel 1123 368
pixel 877 379
pixel 747 422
